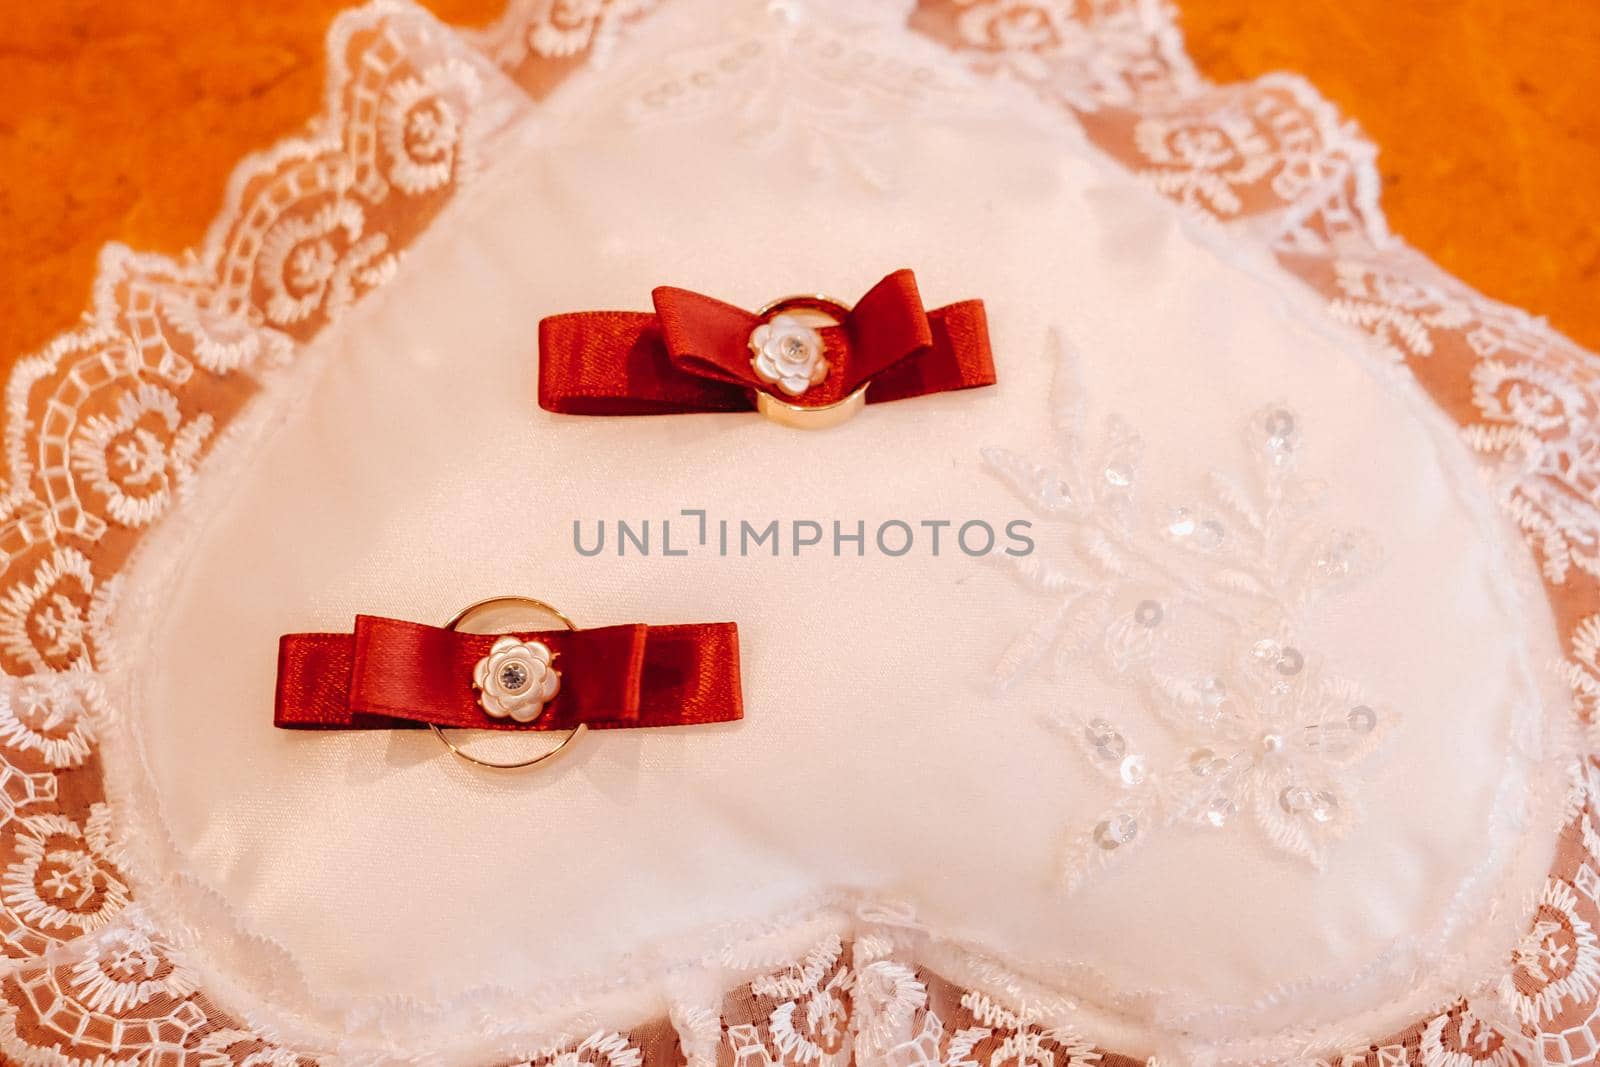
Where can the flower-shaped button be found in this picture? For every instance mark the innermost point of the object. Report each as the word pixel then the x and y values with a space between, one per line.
pixel 787 353
pixel 515 680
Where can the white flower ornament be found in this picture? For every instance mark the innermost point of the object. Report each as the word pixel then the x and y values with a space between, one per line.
pixel 515 680
pixel 787 353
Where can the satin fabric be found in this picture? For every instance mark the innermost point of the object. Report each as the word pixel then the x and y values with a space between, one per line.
pixel 390 674
pixel 692 354
pixel 882 763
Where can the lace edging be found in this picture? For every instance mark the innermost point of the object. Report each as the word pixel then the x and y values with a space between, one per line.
pixel 105 427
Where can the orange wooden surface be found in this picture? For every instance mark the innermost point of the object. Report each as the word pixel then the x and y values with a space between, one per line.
pixel 122 120
pixel 1486 114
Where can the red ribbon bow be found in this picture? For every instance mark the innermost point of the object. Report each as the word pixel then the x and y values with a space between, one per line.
pixel 391 674
pixel 693 354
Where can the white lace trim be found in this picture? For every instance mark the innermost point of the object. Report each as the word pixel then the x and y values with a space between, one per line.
pixel 141 460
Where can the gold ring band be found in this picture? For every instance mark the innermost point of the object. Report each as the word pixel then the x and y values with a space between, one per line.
pixel 798 416
pixel 463 618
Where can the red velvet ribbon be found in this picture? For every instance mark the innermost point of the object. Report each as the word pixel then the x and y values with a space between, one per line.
pixel 392 675
pixel 693 354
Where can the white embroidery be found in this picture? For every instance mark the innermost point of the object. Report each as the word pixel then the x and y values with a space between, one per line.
pixel 1400 312
pixel 139 458
pixel 321 259
pixel 61 881
pixel 535 30
pixel 1201 159
pixel 50 716
pixel 1462 1039
pixel 1002 1036
pixel 45 622
pixel 811 1023
pixel 1559 959
pixel 1265 727
pixel 1026 31
pixel 230 1047
pixel 1533 390
pixel 813 95
pixel 1582 672
pixel 1539 424
pixel 603 1048
pixel 1087 60
pixel 571 25
pixel 421 126
pixel 1275 134
pixel 888 1000
pixel 128 968
pixel 219 341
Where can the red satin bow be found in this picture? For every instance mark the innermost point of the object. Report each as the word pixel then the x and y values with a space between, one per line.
pixel 693 354
pixel 391 674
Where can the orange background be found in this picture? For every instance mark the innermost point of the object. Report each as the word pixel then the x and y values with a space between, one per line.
pixel 122 121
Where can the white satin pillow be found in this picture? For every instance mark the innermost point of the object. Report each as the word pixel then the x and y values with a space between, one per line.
pixel 900 752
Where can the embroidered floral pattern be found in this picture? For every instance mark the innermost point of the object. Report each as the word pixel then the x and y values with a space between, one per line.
pixel 568 29
pixel 1400 312
pixel 178 323
pixel 1026 31
pixel 1202 159
pixel 811 1021
pixel 1090 54
pixel 813 95
pixel 1582 670
pixel 139 457
pixel 244 1049
pixel 1533 395
pixel 1558 960
pixel 999 1036
pixel 891 1003
pixel 1460 1039
pixel 908 1017
pixel 420 121
pixel 1237 150
pixel 59 882
pixel 119 998
pixel 45 624
pixel 323 259
pixel 1532 409
pixel 1267 729
pixel 537 42
pixel 600 1049
pixel 46 720
pixel 801 1015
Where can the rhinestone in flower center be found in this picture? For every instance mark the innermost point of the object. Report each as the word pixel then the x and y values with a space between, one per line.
pixel 786 352
pixel 514 677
